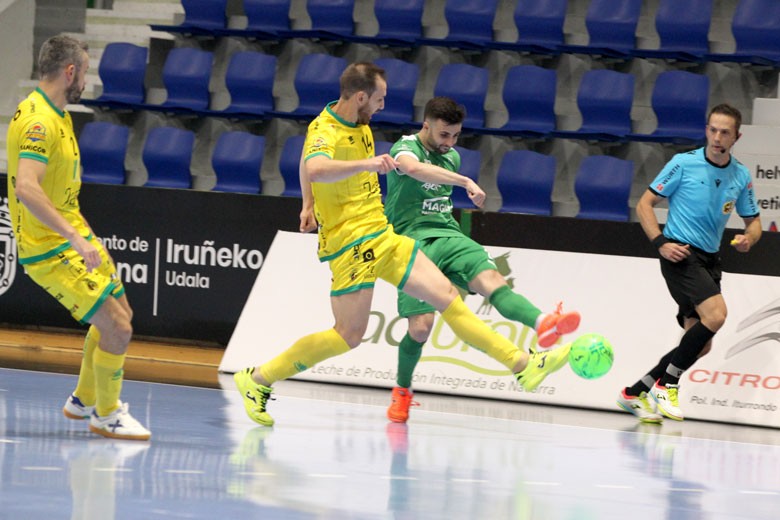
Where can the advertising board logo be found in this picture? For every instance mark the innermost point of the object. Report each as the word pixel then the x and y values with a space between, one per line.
pixel 7 249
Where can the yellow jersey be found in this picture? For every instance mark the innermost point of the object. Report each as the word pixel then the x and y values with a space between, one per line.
pixel 348 211
pixel 42 132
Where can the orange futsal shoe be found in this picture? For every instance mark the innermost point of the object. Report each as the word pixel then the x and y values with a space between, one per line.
pixel 398 411
pixel 556 324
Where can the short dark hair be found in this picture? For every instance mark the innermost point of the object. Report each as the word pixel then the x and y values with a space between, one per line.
pixel 727 110
pixel 58 52
pixel 446 109
pixel 358 77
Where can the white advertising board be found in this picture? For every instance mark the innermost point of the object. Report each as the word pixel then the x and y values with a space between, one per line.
pixel 623 298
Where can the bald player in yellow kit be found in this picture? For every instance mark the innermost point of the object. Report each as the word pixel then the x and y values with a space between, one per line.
pixel 342 198
pixel 56 245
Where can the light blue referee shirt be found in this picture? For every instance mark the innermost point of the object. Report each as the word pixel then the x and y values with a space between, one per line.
pixel 702 196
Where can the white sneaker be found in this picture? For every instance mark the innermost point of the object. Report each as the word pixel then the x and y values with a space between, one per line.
pixel 667 400
pixel 119 424
pixel 76 410
pixel 640 406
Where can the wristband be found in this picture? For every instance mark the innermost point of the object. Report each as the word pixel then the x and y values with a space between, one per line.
pixel 659 241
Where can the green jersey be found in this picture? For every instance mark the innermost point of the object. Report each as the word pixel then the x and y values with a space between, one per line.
pixel 421 209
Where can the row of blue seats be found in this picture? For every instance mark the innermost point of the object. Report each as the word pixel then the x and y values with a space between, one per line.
pixel 604 98
pixel 683 26
pixel 525 178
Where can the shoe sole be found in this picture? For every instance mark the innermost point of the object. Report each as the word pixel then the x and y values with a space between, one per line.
pixel 73 416
pixel 645 420
pixel 665 413
pixel 668 415
pixel 243 390
pixel 567 324
pixel 397 418
pixel 104 433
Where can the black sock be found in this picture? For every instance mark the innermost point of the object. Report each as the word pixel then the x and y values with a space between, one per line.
pixel 644 384
pixel 685 355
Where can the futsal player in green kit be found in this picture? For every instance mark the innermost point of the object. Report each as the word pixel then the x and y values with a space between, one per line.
pixel 418 204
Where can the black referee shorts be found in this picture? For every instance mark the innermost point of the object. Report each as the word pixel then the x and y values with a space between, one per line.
pixel 693 280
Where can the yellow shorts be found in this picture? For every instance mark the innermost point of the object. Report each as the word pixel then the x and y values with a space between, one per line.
pixel 67 280
pixel 388 256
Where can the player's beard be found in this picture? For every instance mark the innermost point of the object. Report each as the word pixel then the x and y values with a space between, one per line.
pixel 73 93
pixel 363 116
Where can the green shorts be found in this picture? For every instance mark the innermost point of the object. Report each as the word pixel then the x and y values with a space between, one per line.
pixel 460 259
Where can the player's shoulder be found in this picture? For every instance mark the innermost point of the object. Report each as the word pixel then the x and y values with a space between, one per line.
pixel 738 165
pixel 689 157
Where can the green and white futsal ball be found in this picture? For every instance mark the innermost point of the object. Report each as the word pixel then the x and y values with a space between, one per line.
pixel 591 356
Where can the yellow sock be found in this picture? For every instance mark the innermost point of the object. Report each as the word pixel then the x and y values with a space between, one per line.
pixel 85 388
pixel 473 331
pixel 108 380
pixel 304 354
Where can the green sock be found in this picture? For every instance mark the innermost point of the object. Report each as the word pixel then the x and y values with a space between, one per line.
pixel 514 306
pixel 409 352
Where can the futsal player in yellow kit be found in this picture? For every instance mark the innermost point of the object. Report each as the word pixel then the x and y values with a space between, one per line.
pixel 341 195
pixel 56 246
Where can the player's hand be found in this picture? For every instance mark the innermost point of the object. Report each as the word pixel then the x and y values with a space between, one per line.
pixel 741 243
pixel 87 251
pixel 475 193
pixel 675 252
pixel 308 221
pixel 383 164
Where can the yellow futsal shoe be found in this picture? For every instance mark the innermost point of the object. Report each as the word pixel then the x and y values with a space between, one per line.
pixel 255 397
pixel 542 364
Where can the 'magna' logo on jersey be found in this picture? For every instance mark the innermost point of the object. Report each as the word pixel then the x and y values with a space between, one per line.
pixel 37 132
pixel 437 205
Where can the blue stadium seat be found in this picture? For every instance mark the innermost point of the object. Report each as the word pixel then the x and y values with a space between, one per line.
pixel 316 83
pixel 289 162
pixel 470 163
pixel 683 28
pixel 399 103
pixel 237 159
pixel 604 98
pixel 529 97
pixel 468 85
pixel 470 22
pixel 122 71
pixel 602 185
pixel 539 26
pixel 755 25
pixel 330 19
pixel 400 21
pixel 103 147
pixel 166 155
pixel 186 74
pixel 267 16
pixel 208 15
pixel 201 17
pixel 679 101
pixel 250 81
pixel 611 28
pixel 525 180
